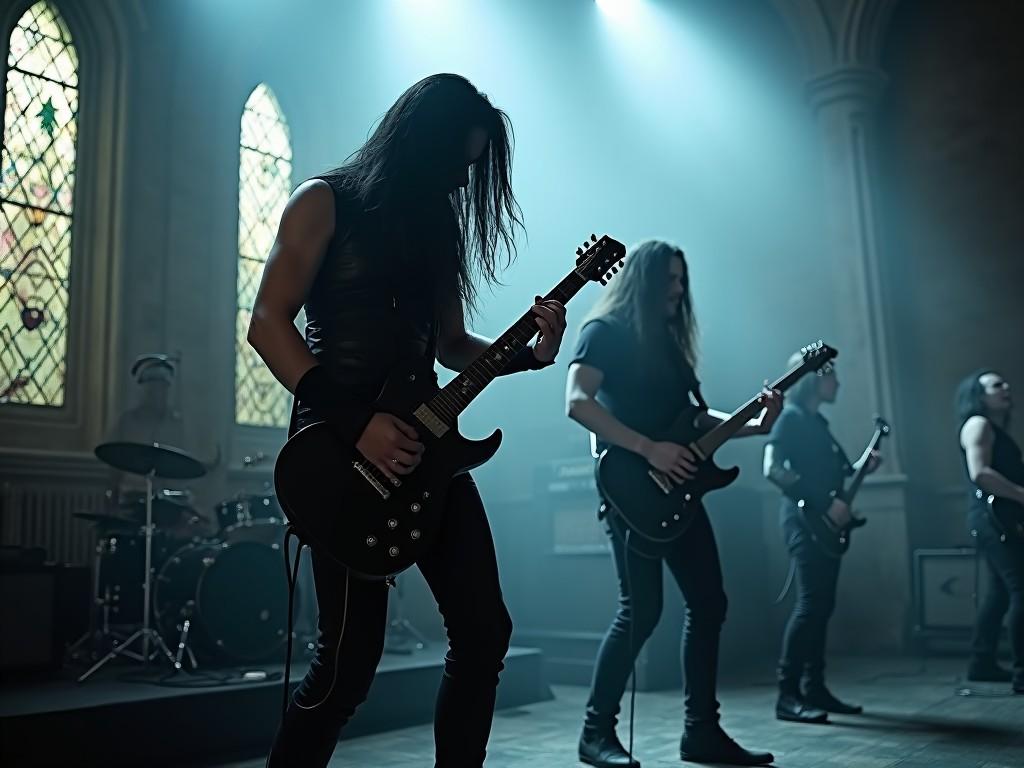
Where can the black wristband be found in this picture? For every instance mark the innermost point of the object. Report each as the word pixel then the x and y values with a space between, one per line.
pixel 347 414
pixel 524 360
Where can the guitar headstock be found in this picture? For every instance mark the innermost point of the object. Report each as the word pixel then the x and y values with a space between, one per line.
pixel 600 258
pixel 882 426
pixel 818 357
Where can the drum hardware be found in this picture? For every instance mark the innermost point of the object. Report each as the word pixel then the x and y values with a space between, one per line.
pixel 149 460
pixel 225 600
pixel 99 631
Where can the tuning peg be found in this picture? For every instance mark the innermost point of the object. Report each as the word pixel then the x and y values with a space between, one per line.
pixel 579 251
pixel 615 270
pixel 622 263
pixel 594 238
pixel 603 281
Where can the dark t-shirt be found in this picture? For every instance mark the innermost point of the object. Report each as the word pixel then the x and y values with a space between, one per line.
pixel 643 387
pixel 804 441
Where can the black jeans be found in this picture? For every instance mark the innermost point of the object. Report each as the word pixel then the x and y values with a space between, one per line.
pixel 693 562
pixel 462 573
pixel 803 642
pixel 1004 562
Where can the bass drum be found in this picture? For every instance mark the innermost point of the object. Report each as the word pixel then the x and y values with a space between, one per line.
pixel 235 596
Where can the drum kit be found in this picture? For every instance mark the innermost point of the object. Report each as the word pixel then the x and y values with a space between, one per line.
pixel 222 598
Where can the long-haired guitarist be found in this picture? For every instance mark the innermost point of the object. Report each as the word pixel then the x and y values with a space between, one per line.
pixel 994 468
pixel 804 460
pixel 631 375
pixel 381 252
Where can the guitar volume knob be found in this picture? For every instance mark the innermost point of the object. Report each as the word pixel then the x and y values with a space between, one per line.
pixel 393 551
pixel 392 523
pixel 415 507
pixel 371 541
pixel 414 534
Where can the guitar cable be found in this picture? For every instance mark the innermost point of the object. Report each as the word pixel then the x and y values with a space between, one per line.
pixel 292 574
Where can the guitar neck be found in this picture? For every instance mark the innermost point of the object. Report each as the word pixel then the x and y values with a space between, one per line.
pixel 456 396
pixel 850 491
pixel 715 438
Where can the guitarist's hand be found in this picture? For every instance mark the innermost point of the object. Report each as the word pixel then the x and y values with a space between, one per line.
pixel 874 461
pixel 773 401
pixel 551 322
pixel 391 445
pixel 840 513
pixel 677 461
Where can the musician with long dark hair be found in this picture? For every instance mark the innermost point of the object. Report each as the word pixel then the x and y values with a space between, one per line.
pixel 808 465
pixel 382 253
pixel 632 374
pixel 992 460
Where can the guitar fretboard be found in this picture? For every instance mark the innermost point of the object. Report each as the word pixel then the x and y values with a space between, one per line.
pixel 455 396
pixel 715 438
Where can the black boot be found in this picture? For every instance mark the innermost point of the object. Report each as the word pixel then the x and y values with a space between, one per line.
pixel 986 670
pixel 821 697
pixel 602 748
pixel 708 743
pixel 796 710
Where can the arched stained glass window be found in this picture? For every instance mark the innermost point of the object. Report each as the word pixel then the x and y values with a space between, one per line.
pixel 37 185
pixel 264 183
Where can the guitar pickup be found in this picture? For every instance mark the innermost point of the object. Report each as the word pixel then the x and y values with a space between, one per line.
pixel 431 421
pixel 663 481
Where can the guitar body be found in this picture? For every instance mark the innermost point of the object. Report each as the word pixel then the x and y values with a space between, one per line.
pixel 832 539
pixel 829 537
pixel 653 507
pixel 374 528
pixel 1008 518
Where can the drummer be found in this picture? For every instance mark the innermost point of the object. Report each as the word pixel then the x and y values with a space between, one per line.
pixel 155 420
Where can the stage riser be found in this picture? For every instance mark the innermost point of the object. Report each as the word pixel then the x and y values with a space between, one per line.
pixel 197 728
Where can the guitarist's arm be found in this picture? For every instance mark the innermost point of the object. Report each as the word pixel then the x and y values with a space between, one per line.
pixel 457 347
pixel 977 438
pixel 761 425
pixel 306 228
pixel 581 405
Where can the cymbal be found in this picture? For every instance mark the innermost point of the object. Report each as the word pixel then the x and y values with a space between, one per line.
pixel 107 522
pixel 144 458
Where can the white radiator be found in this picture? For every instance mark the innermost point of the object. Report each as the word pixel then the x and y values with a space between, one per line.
pixel 36 513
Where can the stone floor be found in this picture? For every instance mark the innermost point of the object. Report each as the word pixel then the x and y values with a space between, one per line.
pixel 917 715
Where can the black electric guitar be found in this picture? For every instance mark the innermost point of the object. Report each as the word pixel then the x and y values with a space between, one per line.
pixel 652 505
pixel 834 539
pixel 1008 518
pixel 345 506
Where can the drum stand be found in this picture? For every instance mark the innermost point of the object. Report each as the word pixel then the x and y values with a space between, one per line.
pixel 146 633
pixel 99 626
pixel 183 646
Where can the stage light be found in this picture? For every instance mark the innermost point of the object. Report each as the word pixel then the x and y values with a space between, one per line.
pixel 616 9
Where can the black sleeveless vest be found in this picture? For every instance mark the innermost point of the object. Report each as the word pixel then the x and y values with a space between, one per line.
pixel 367 308
pixel 1006 460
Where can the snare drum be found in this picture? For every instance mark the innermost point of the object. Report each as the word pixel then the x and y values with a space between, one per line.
pixel 234 594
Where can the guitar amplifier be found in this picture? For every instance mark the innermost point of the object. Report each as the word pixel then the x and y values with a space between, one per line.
pixel 568 491
pixel 579 555
pixel 945 584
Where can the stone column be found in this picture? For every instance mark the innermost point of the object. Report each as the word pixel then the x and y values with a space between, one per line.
pixel 874 594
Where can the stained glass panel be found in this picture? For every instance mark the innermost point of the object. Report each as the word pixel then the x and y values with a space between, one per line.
pixel 264 183
pixel 37 184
